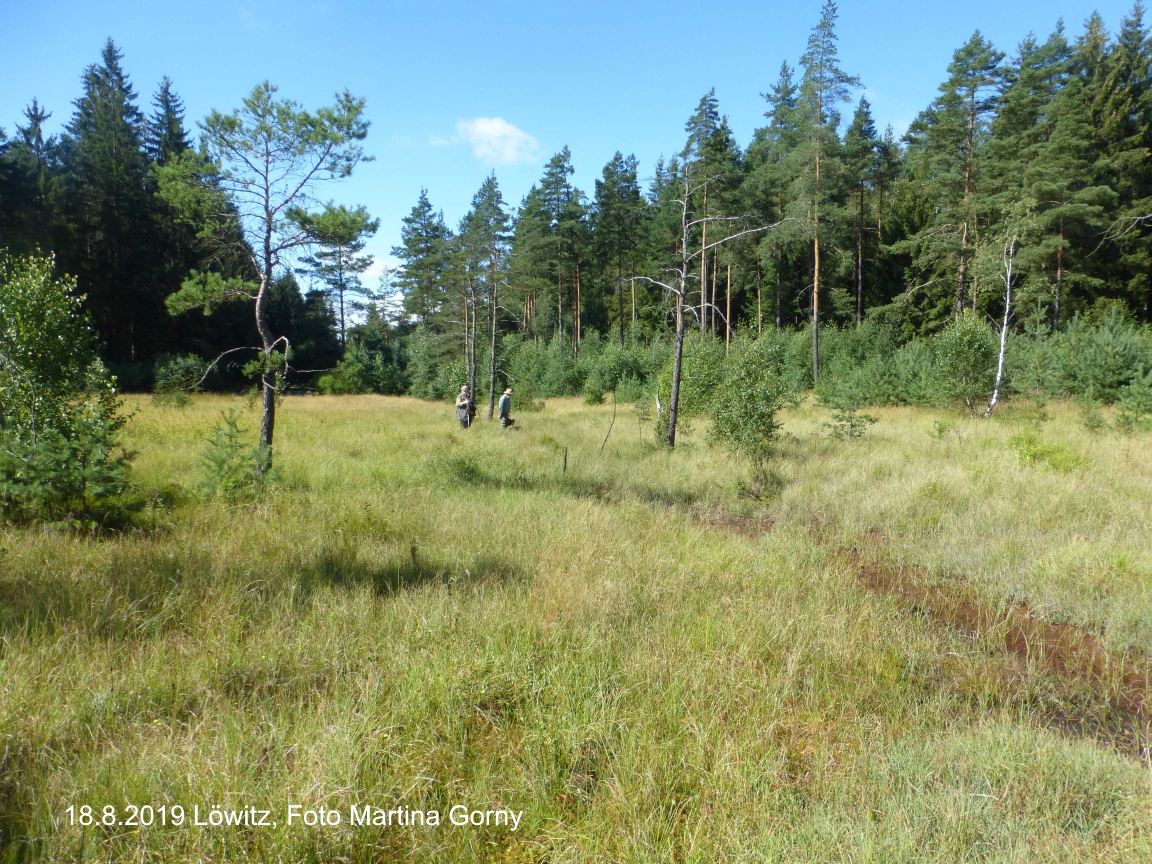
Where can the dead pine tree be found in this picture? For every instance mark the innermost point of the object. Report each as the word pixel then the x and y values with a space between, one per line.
pixel 677 284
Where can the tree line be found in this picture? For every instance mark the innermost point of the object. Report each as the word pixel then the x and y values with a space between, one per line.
pixel 820 219
pixel 909 229
pixel 91 196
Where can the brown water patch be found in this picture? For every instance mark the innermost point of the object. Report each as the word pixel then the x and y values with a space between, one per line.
pixel 722 520
pixel 1100 695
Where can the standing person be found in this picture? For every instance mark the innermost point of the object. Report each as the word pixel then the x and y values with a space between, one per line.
pixel 464 408
pixel 506 408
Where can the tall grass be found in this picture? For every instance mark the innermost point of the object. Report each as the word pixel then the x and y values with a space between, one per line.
pixel 425 616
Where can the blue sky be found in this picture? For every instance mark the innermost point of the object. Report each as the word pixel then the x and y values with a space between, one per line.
pixel 456 89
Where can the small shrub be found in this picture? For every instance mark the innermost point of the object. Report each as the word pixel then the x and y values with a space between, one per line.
pixel 178 376
pixel 749 394
pixel 964 362
pixel 1134 405
pixel 1093 419
pixel 233 468
pixel 60 454
pixel 594 390
pixel 631 390
pixel 848 422
pixel 1032 451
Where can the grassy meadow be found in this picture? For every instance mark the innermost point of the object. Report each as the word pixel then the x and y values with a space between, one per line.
pixel 654 655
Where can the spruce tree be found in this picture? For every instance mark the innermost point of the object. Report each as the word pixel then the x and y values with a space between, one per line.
pixel 109 210
pixel 33 168
pixel 424 252
pixel 1070 203
pixel 860 162
pixel 567 215
pixel 165 135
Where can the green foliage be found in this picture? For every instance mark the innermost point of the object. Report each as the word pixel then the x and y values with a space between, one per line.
pixel 361 370
pixel 849 422
pixel 1093 419
pixel 701 373
pixel 449 377
pixel 234 469
pixel 66 473
pixel 593 391
pixel 749 393
pixel 206 291
pixel 964 362
pixel 631 389
pixel 425 354
pixel 178 375
pixel 59 418
pixel 1134 405
pixel 1032 451
pixel 1099 361
pixel 340 234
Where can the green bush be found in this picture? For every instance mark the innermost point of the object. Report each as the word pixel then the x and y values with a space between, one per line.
pixel 1134 405
pixel 631 389
pixel 234 469
pixel 964 362
pixel 60 455
pixel 361 371
pixel 750 391
pixel 177 376
pixel 1098 361
pixel 701 372
pixel 1032 451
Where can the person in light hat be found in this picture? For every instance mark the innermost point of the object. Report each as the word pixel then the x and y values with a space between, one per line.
pixel 464 408
pixel 506 408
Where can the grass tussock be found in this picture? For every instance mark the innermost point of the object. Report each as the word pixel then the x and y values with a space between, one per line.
pixel 650 660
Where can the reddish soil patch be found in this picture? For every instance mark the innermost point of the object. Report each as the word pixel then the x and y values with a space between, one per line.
pixel 1118 688
pixel 746 526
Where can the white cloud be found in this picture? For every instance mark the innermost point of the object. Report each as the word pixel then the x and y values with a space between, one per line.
pixel 497 141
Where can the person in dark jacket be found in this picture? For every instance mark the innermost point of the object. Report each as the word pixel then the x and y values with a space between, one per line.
pixel 464 409
pixel 506 408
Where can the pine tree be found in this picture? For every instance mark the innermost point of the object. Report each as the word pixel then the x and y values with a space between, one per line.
pixel 712 162
pixel 340 235
pixel 484 236
pixel 271 155
pixel 1125 136
pixel 532 263
pixel 617 222
pixel 946 160
pixel 768 192
pixel 823 88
